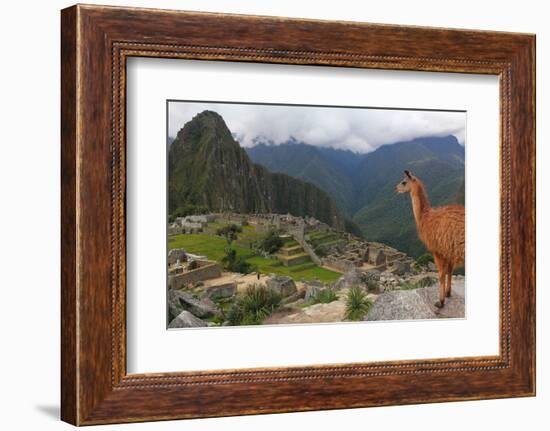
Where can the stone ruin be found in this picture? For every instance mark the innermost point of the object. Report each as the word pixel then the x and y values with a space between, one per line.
pixel 190 224
pixel 348 252
pixel 368 255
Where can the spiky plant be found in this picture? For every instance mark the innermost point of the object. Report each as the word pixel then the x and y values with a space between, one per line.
pixel 357 304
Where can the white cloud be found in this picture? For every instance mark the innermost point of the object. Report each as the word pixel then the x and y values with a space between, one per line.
pixel 357 129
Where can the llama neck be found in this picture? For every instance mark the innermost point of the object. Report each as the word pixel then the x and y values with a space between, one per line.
pixel 420 202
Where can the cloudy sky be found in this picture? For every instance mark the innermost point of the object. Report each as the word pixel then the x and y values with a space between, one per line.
pixel 357 129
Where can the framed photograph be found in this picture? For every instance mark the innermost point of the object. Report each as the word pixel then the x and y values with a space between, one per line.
pixel 265 215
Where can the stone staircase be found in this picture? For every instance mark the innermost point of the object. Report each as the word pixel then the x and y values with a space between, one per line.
pixel 292 253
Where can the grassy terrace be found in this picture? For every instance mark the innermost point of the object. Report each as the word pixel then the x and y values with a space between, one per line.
pixel 213 247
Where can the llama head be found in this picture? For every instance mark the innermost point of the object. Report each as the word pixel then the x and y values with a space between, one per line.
pixel 406 184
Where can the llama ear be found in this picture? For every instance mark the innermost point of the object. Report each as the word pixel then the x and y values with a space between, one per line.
pixel 408 174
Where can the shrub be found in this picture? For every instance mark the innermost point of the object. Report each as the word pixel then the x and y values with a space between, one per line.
pixel 234 263
pixel 256 304
pixel 357 304
pixel 229 232
pixel 324 296
pixel 188 209
pixel 271 243
pixel 320 251
pixel 423 282
pixel 424 260
pixel 426 281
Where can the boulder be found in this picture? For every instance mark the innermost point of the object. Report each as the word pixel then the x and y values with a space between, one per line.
pixel 202 308
pixel 174 305
pixel 282 284
pixel 400 305
pixel 187 320
pixel 418 304
pixel 349 279
pixel 220 291
pixel 176 254
pixel 454 305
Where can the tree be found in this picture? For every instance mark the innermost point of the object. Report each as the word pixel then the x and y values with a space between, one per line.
pixel 229 232
pixel 271 243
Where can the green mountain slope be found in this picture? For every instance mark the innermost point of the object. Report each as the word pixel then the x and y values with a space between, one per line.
pixel 363 184
pixel 209 171
pixel 308 163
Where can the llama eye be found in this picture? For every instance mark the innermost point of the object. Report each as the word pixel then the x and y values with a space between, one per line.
pixel 403 182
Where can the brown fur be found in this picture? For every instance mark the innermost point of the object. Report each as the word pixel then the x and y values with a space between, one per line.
pixel 441 229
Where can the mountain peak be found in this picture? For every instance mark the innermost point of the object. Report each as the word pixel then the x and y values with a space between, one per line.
pixel 210 171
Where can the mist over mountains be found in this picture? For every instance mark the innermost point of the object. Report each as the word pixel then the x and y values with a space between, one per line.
pixel 207 167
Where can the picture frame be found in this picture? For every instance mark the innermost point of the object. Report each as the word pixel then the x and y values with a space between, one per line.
pixel 96 42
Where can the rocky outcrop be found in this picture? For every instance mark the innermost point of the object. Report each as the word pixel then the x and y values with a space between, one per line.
pixel 318 313
pixel 186 320
pixel 399 305
pixel 417 304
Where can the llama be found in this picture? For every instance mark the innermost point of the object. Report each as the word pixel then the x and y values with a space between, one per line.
pixel 441 230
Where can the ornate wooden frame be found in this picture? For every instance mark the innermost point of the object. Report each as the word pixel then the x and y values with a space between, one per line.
pixel 95 43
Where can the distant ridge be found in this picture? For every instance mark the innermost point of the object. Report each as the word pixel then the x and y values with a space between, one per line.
pixel 362 185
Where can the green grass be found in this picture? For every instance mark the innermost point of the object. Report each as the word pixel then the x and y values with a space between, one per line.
pixel 210 246
pixel 214 248
pixel 306 271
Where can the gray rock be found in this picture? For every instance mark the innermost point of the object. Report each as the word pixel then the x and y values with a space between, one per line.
pixel 417 304
pixel 174 306
pixel 202 308
pixel 349 279
pixel 282 284
pixel 454 305
pixel 221 291
pixel 299 295
pixel 353 278
pixel 431 267
pixel 187 320
pixel 400 305
pixel 176 254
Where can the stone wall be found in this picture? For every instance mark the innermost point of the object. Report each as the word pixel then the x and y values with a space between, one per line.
pixel 309 250
pixel 339 264
pixel 206 271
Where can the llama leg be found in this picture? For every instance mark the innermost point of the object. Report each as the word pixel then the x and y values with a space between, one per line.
pixel 449 281
pixel 442 269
